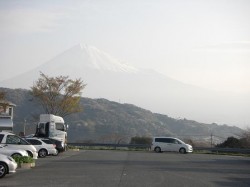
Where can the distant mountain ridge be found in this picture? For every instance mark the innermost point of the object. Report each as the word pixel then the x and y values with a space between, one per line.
pixel 107 121
pixel 110 78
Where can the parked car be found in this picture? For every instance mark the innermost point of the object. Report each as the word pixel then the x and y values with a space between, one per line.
pixel 44 146
pixel 13 141
pixel 12 152
pixel 60 146
pixel 160 144
pixel 7 165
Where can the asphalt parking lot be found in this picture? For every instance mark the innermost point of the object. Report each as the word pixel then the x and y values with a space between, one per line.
pixel 126 168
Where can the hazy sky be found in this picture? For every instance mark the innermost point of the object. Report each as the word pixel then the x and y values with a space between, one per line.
pixel 201 42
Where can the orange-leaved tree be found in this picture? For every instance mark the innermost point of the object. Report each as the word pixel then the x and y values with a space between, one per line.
pixel 58 95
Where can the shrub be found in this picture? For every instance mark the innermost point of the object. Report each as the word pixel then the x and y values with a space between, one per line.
pixel 141 140
pixel 231 142
pixel 23 159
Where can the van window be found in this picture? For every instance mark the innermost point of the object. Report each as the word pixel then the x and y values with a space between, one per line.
pixel 172 140
pixel 163 140
pixel 167 140
pixel 177 142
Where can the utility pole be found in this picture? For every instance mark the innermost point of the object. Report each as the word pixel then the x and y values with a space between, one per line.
pixel 24 127
pixel 211 139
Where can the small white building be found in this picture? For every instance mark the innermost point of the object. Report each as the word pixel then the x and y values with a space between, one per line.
pixel 6 115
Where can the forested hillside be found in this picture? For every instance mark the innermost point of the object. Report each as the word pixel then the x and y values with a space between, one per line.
pixel 107 121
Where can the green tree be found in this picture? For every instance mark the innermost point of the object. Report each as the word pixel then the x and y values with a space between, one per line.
pixel 245 138
pixel 231 142
pixel 58 95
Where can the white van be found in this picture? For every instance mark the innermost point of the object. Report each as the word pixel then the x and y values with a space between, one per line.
pixel 161 144
pixel 13 141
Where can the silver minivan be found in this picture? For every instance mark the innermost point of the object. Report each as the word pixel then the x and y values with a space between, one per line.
pixel 160 144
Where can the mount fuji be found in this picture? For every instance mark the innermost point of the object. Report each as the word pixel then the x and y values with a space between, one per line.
pixel 109 78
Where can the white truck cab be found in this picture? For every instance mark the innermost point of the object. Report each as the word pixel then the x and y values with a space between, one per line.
pixel 53 127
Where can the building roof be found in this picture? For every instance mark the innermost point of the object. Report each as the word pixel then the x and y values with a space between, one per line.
pixel 7 102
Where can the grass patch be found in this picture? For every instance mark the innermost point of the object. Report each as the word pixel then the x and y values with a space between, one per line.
pixel 220 153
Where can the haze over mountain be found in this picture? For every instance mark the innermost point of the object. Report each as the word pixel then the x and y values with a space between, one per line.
pixel 107 77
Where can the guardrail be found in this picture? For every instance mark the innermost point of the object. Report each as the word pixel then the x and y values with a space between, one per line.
pixel 148 147
pixel 142 146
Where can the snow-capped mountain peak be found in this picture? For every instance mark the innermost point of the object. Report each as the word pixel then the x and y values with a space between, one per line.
pixel 94 58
